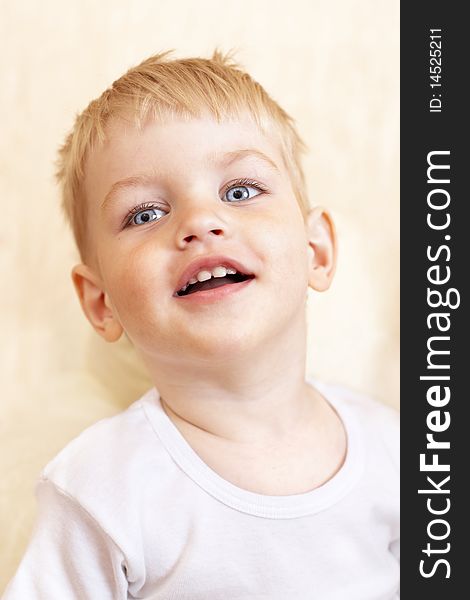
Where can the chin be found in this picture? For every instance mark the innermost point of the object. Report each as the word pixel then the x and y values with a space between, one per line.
pixel 225 344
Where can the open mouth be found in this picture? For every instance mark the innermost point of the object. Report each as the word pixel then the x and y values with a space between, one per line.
pixel 212 283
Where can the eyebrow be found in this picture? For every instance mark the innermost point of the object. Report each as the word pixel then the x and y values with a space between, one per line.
pixel 215 158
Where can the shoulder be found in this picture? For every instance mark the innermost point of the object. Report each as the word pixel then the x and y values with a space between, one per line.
pixel 379 423
pixel 367 408
pixel 115 474
pixel 109 454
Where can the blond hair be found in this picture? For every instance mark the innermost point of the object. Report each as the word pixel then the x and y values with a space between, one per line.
pixel 186 88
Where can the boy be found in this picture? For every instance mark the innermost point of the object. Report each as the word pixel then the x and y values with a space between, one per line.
pixel 238 478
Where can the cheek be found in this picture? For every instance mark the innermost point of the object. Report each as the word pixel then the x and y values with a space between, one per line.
pixel 284 246
pixel 286 243
pixel 136 281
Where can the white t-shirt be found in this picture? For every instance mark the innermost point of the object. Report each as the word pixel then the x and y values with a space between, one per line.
pixel 129 510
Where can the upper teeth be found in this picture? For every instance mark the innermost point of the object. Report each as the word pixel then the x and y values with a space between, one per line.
pixel 205 275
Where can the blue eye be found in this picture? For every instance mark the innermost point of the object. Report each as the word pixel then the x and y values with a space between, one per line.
pixel 237 193
pixel 147 215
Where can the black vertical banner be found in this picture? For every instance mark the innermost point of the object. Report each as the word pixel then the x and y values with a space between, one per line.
pixel 435 259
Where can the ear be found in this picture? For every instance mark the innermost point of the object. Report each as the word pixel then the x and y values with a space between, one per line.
pixel 321 236
pixel 96 303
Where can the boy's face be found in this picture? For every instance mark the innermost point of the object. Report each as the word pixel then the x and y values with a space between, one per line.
pixel 189 190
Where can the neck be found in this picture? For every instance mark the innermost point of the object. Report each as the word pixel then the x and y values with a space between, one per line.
pixel 256 396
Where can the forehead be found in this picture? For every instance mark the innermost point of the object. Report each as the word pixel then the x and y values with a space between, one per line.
pixel 175 147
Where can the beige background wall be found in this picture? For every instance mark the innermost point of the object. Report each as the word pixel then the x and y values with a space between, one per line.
pixel 333 65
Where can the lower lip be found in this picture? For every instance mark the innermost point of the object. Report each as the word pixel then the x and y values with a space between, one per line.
pixel 215 294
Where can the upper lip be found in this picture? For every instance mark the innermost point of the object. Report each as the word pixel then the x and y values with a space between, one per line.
pixel 208 262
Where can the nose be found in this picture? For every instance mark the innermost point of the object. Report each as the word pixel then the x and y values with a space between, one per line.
pixel 199 223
